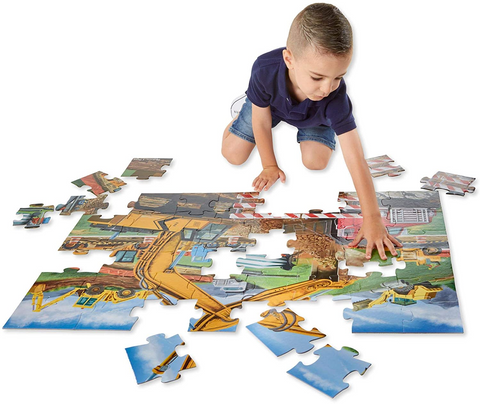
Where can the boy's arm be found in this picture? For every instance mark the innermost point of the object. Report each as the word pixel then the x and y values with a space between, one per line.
pixel 373 229
pixel 262 129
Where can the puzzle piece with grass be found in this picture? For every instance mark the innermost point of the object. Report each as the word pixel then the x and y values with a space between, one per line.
pixel 99 183
pixel 158 359
pixel 33 216
pixel 453 183
pixel 144 168
pixel 328 372
pixel 281 333
pixel 380 165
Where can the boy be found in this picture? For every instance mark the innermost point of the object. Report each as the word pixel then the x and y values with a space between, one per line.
pixel 303 85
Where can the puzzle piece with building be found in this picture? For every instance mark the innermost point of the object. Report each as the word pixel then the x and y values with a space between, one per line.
pixel 144 168
pixel 99 183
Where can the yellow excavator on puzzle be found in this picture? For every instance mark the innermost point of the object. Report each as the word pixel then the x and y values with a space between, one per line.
pixel 88 296
pixel 155 269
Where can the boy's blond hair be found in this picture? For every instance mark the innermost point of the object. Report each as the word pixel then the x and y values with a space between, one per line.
pixel 322 26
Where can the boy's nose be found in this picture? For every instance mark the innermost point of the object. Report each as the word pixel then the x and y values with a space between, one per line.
pixel 326 89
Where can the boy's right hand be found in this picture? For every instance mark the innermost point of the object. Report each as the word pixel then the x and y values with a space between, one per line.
pixel 267 178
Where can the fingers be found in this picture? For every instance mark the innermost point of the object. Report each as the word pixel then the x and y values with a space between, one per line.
pixel 357 240
pixel 395 241
pixel 368 251
pixel 259 183
pixel 390 246
pixel 381 251
pixel 282 176
pixel 269 184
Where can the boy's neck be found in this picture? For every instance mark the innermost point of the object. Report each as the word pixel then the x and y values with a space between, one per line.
pixel 293 89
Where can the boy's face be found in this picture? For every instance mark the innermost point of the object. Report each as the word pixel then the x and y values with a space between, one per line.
pixel 315 75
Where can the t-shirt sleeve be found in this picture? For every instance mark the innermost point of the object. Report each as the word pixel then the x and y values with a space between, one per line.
pixel 256 91
pixel 339 111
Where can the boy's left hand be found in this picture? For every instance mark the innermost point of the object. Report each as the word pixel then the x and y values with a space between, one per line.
pixel 376 234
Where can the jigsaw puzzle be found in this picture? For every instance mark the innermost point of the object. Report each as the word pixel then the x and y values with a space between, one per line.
pixel 158 358
pixel 162 244
pixel 281 333
pixel 99 183
pixel 381 166
pixel 453 183
pixel 78 203
pixel 328 372
pixel 144 168
pixel 33 216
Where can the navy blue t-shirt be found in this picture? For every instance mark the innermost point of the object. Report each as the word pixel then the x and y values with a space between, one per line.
pixel 268 87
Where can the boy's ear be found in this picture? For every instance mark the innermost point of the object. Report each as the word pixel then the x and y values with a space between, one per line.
pixel 288 58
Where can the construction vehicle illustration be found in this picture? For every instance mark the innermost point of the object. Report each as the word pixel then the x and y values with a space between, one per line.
pixel 403 296
pixel 429 256
pixel 88 296
pixel 159 370
pixel 259 261
pixel 286 320
pixel 155 268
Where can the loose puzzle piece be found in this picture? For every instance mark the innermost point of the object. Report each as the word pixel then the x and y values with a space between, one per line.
pixel 328 372
pixel 381 166
pixel 80 204
pixel 144 168
pixel 99 183
pixel 33 216
pixel 158 358
pixel 453 183
pixel 280 332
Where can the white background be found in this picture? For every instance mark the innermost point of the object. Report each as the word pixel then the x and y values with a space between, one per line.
pixel 87 86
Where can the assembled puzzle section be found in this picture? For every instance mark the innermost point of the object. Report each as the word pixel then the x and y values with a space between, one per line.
pixel 99 183
pixel 144 168
pixel 328 372
pixel 421 298
pixel 381 166
pixel 158 359
pixel 162 245
pixel 76 300
pixel 453 183
pixel 78 203
pixel 281 333
pixel 33 216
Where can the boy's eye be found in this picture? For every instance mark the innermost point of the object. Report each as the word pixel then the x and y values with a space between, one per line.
pixel 316 78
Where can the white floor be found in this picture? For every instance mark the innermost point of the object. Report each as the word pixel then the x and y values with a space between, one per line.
pixel 86 86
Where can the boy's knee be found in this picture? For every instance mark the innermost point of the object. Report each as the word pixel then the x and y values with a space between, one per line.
pixel 314 163
pixel 235 150
pixel 232 157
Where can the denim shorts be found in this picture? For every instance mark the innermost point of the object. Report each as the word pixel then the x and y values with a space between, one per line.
pixel 242 127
